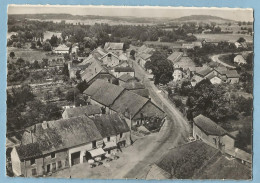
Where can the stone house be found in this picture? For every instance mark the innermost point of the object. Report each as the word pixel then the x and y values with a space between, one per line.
pixel 88 110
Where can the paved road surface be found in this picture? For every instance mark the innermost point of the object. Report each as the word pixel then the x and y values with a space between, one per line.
pixel 174 132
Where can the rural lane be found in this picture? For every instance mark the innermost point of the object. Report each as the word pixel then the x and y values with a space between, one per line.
pixel 215 58
pixel 173 133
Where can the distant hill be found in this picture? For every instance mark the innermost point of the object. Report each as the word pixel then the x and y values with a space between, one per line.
pixel 201 18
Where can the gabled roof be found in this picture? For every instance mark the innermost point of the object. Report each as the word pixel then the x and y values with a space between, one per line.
pixel 118 124
pixel 116 56
pixel 107 94
pixel 203 72
pixel 94 87
pixel 142 92
pixel 113 46
pixel 185 63
pixel 124 69
pixel 145 49
pixel 221 70
pixel 123 57
pixel 188 157
pixel 129 103
pixel 209 126
pixel 232 74
pixel 98 53
pixel 145 56
pixel 28 151
pixel 104 125
pixel 89 60
pixel 133 85
pixel 175 56
pixel 61 134
pixel 87 110
pixel 92 71
pixel 126 77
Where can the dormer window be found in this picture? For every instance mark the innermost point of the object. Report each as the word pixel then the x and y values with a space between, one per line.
pixel 109 55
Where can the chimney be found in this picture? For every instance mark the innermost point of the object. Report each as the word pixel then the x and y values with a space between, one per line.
pixel 45 125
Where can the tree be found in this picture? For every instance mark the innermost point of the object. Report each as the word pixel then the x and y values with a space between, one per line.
pixel 12 54
pixel 33 45
pixel 36 65
pixel 115 81
pixel 47 95
pixel 72 94
pixel 82 86
pixel 132 53
pixel 46 46
pixel 18 45
pixel 39 43
pixel 54 40
pixel 241 40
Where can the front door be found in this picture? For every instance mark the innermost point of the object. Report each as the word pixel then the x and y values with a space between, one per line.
pixel 75 158
pixel 48 168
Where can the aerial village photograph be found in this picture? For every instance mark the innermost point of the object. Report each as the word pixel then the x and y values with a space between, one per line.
pixel 109 92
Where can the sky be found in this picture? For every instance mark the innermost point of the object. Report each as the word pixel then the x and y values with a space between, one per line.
pixel 137 11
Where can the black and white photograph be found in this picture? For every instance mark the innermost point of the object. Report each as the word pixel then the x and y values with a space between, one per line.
pixel 129 92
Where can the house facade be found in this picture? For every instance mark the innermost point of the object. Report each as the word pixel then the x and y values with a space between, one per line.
pixel 212 134
pixel 119 71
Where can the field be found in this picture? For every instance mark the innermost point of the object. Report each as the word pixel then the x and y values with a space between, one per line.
pixel 95 21
pixel 28 54
pixel 223 37
pixel 157 43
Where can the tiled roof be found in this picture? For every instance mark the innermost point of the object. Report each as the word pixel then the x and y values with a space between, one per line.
pixel 89 60
pixel 62 134
pixel 145 56
pixel 92 71
pixel 87 110
pixel 183 161
pixel 232 74
pixel 110 124
pixel 104 125
pixel 129 103
pixel 114 46
pixel 94 87
pixel 107 94
pixel 175 56
pixel 205 71
pixel 126 77
pixel 124 69
pixel 62 48
pixel 209 126
pixel 28 151
pixel 185 63
pixel 133 85
pixel 119 123
pixel 142 92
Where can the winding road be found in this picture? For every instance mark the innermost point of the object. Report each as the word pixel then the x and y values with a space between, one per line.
pixel 215 58
pixel 173 133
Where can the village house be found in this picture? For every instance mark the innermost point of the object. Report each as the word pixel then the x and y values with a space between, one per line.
pixel 54 145
pixel 175 57
pixel 177 74
pixel 114 130
pixel 240 60
pixel 143 58
pixel 123 57
pixel 214 79
pixel 199 160
pixel 57 63
pixel 209 132
pixel 214 135
pixel 88 110
pixel 119 71
pixel 136 109
pixel 238 45
pixel 96 71
pixel 110 60
pixel 116 48
pixel 136 87
pixel 232 76
pixel 145 49
pixel 74 69
pixel 125 78
pixel 61 49
pixel 103 94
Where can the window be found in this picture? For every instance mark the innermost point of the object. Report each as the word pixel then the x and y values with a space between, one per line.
pixel 215 141
pixel 94 144
pixel 59 164
pixel 121 135
pixel 53 155
pixel 108 139
pixel 109 55
pixel 34 172
pixel 32 161
pixel 53 166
